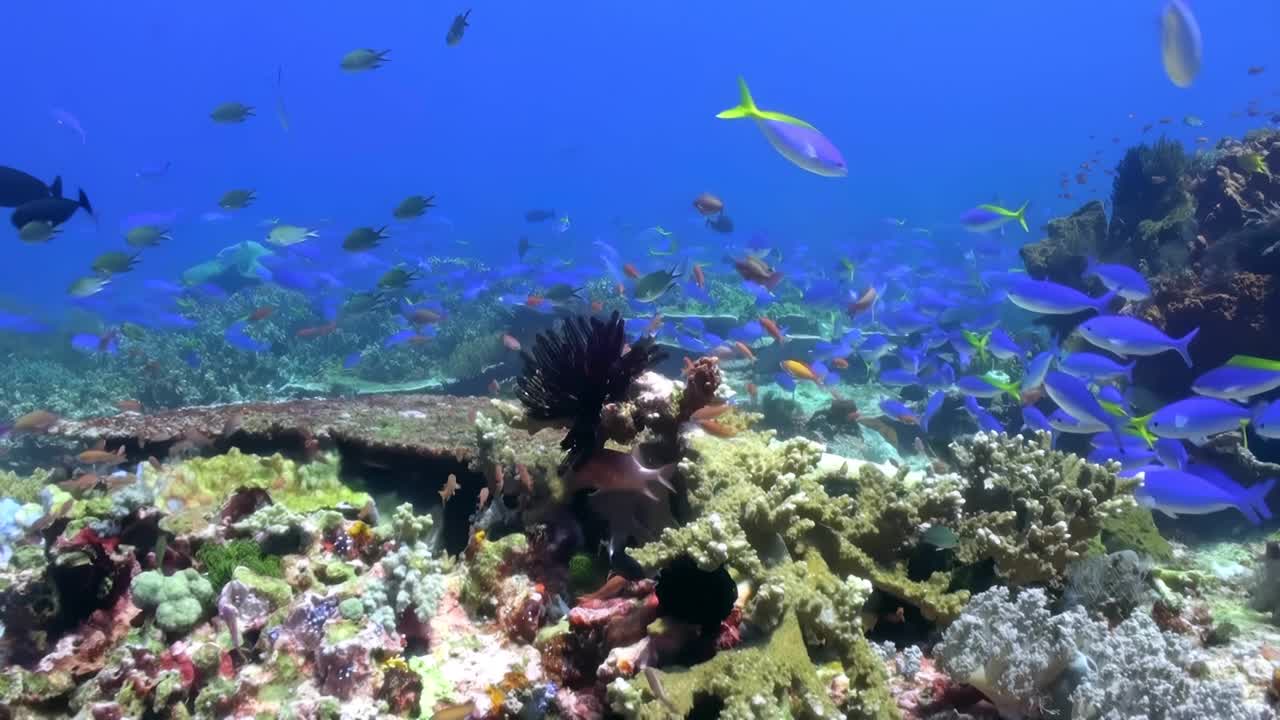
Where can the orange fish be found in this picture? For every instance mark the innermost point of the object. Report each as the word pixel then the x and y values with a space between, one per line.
pixel 534 301
pixel 755 270
pixel 772 328
pixel 494 388
pixel 317 330
pixel 840 363
pixel 424 316
pixel 864 301
pixel 630 271
pixel 596 306
pixel 450 487
pixel 99 456
pixel 699 278
pixel 799 370
pixel 710 412
pixel 510 343
pixel 746 351
pixel 622 289
pixel 129 406
pixel 712 427
pixel 261 313
pixel 708 204
pixel 753 391
pixel 36 421
pixel 419 340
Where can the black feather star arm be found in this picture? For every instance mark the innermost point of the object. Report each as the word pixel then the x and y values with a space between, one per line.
pixel 572 374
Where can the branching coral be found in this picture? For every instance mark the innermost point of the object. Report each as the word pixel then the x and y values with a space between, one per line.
pixel 570 375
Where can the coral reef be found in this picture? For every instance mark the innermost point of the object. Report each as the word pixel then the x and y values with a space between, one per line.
pixel 1031 663
pixel 1072 240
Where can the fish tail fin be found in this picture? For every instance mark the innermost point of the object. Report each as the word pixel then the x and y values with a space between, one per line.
pixel 1021 216
pixel 772 281
pixel 664 475
pixel 1256 497
pixel 1139 427
pixel 1183 343
pixel 55 188
pixel 1250 361
pixel 1128 372
pixel 84 202
pixel 746 107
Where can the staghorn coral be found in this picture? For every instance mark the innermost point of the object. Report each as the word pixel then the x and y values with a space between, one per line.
pixel 1031 663
pixel 571 375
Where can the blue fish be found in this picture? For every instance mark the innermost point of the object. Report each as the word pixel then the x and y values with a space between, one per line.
pixel 1196 418
pixel 931 408
pixel 1092 366
pixel 898 411
pixel 1129 336
pixel 1074 398
pixel 351 360
pixel 898 377
pixel 1124 280
pixel 236 337
pixel 1235 382
pixel 1033 377
pixel 1033 419
pixel 1171 453
pixel 1180 492
pixel 1050 298
pixel 986 420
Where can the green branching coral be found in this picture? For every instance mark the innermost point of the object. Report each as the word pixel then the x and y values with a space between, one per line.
pixel 220 560
pixel 207 482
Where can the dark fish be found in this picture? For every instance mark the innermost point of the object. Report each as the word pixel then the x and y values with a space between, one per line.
pixel 53 210
pixel 232 112
pixel 459 26
pixel 940 537
pixel 236 199
pixel 561 293
pixel 536 216
pixel 397 278
pixel 721 224
pixel 114 261
pixel 18 188
pixel 413 206
pixel 524 246
pixel 364 238
pixel 653 286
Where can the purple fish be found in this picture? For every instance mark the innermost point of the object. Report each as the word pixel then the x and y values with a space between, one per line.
pixel 66 119
pixel 986 420
pixel 12 322
pixel 94 343
pixel 1074 398
pixel 794 139
pixel 1196 418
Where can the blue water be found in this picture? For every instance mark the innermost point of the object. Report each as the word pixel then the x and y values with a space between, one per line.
pixel 600 110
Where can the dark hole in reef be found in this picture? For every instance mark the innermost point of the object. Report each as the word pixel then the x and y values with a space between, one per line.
pixel 926 559
pixel 899 622
pixel 393 478
pixel 705 707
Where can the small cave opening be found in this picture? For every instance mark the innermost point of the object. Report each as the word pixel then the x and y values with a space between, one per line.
pixel 705 707
pixel 896 621
pixel 393 478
